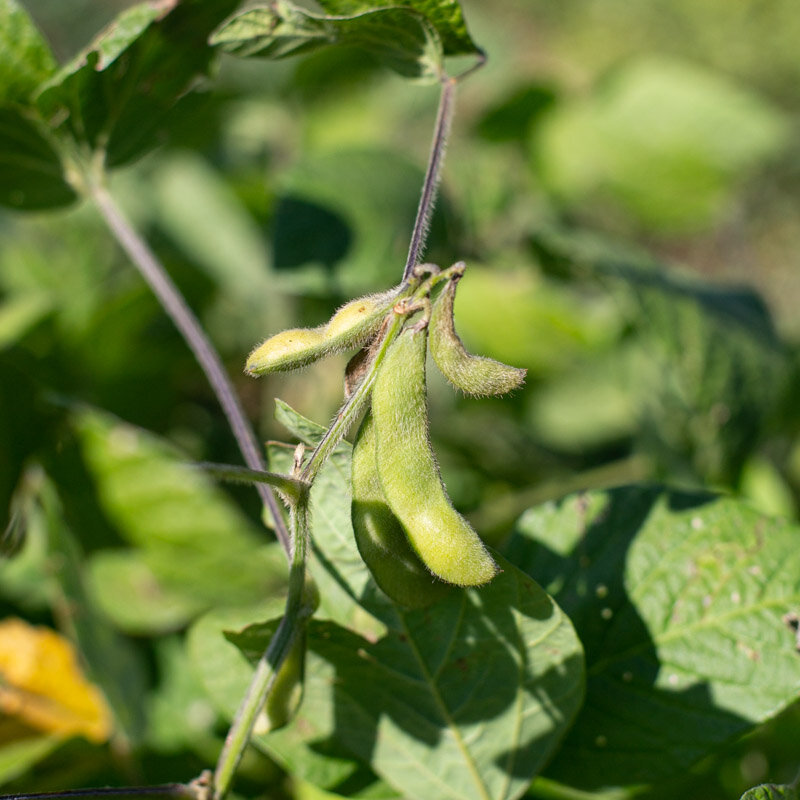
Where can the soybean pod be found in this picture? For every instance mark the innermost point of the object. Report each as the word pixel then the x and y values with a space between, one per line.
pixel 353 325
pixel 379 535
pixel 409 474
pixel 474 375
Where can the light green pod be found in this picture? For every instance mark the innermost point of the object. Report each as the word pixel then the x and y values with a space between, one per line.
pixel 353 325
pixel 409 475
pixel 474 375
pixel 380 537
pixel 287 692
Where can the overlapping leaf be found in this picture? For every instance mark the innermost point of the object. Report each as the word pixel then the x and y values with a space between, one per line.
pixel 122 92
pixel 772 791
pixel 411 38
pixel 466 699
pixel 25 58
pixel 685 605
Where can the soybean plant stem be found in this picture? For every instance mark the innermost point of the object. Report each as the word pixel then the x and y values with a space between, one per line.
pixel 269 664
pixel 441 134
pixel 185 321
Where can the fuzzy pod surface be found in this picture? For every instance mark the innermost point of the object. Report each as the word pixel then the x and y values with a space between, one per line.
pixel 409 475
pixel 477 376
pixel 380 537
pixel 353 325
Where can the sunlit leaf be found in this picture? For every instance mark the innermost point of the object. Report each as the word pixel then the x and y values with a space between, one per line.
pixel 773 791
pixel 399 37
pixel 685 605
pixel 25 58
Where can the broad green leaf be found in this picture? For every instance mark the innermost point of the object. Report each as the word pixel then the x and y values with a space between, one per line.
pixel 773 791
pixel 121 94
pixel 135 597
pixel 179 713
pixel 192 538
pixel 465 699
pixel 19 313
pixel 225 673
pixel 31 175
pixel 445 15
pixel 25 58
pixel 685 605
pixel 113 663
pixel 18 755
pixel 664 141
pixel 707 371
pixel 401 38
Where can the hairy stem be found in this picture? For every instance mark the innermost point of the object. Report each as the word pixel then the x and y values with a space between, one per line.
pixel 441 133
pixel 185 321
pixel 269 664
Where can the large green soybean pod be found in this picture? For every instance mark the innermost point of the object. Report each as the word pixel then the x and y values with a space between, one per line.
pixel 409 474
pixel 353 325
pixel 474 375
pixel 380 537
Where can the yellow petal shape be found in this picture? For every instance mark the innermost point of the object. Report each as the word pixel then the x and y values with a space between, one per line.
pixel 42 684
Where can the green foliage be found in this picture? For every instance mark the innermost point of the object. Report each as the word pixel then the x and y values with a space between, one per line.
pixel 679 599
pixel 634 634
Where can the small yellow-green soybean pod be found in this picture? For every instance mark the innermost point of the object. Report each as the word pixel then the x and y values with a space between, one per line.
pixel 353 325
pixel 409 475
pixel 287 691
pixel 380 537
pixel 474 375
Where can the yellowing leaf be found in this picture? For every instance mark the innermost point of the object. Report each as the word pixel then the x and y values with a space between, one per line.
pixel 42 684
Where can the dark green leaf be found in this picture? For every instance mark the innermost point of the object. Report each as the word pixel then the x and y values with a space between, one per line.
pixel 199 549
pixel 709 369
pixel 773 791
pixel 445 15
pixel 31 175
pixel 402 39
pixel 17 755
pixel 113 663
pixel 25 58
pixel 121 94
pixel 684 603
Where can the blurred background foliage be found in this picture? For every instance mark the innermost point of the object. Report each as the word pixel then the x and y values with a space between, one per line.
pixel 623 182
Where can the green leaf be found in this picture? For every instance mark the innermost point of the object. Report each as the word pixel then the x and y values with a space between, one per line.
pixel 225 672
pixel 122 93
pixel 400 38
pixel 709 370
pixel 18 755
pixel 466 700
pixel 445 15
pixel 113 663
pixel 136 597
pixel 25 58
pixel 197 545
pixel 662 141
pixel 773 791
pixel 413 690
pixel 31 175
pixel 684 604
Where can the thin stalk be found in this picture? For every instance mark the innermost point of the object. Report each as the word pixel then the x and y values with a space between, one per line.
pixel 185 321
pixel 169 791
pixel 269 664
pixel 441 134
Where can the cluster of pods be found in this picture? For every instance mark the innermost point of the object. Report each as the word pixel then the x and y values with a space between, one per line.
pixel 413 541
